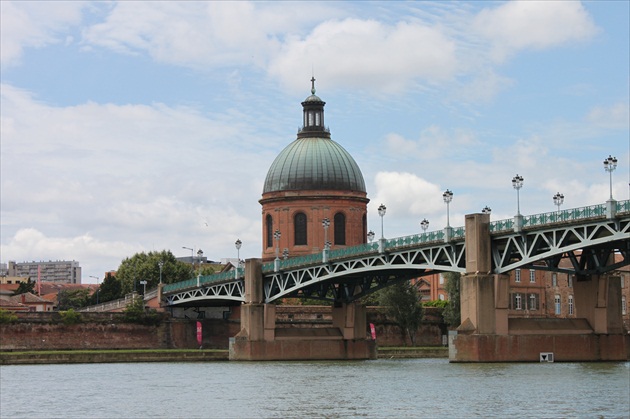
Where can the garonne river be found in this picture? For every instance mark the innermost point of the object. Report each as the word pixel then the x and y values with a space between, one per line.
pixel 384 388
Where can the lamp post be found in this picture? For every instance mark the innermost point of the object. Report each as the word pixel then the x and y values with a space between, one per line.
pixel 276 236
pixel 424 224
pixel 382 209
pixel 370 236
pixel 160 265
pixel 98 288
pixel 238 243
pixel 192 255
pixel 144 289
pixel 325 224
pixel 447 197
pixel 199 258
pixel 610 164
pixel 285 253
pixel 517 183
pixel 486 210
pixel 558 199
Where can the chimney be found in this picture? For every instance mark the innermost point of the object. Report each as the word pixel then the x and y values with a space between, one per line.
pixel 23 299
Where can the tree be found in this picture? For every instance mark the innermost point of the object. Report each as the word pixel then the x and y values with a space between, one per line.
pixel 404 307
pixel 110 289
pixel 24 287
pixel 452 311
pixel 145 267
pixel 73 299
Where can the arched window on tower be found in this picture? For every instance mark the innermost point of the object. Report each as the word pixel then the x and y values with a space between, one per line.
pixel 364 223
pixel 299 225
pixel 340 229
pixel 269 230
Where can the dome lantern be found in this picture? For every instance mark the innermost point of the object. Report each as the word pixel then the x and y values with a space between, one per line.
pixel 313 119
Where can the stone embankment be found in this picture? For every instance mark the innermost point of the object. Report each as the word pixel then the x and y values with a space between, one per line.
pixel 113 356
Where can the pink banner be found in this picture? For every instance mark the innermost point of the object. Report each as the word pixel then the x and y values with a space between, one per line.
pixel 373 330
pixel 199 334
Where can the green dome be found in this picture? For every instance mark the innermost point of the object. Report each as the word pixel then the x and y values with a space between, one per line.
pixel 314 163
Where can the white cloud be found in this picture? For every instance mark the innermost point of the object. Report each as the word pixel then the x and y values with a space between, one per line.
pixel 616 116
pixel 140 174
pixel 35 25
pixel 367 54
pixel 518 25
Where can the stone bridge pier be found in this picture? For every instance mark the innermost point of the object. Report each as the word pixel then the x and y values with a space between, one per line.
pixel 260 339
pixel 488 334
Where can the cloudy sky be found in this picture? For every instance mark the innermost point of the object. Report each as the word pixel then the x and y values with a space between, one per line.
pixel 139 126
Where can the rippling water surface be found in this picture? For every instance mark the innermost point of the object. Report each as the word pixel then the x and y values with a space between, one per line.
pixel 430 388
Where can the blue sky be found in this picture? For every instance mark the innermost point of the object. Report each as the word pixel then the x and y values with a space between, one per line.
pixel 139 126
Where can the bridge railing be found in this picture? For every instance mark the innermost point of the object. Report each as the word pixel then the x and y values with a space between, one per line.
pixel 572 214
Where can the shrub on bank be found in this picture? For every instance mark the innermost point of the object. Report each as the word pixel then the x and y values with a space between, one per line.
pixel 136 313
pixel 7 316
pixel 70 317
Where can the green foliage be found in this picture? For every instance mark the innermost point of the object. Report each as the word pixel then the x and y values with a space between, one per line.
pixel 110 289
pixel 402 302
pixel 7 316
pixel 145 267
pixel 70 317
pixel 452 311
pixel 136 313
pixel 436 303
pixel 24 287
pixel 73 299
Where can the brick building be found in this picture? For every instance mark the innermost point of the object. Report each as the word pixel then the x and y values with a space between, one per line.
pixel 314 193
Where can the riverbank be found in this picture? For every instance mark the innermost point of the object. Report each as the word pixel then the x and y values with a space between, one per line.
pixel 174 355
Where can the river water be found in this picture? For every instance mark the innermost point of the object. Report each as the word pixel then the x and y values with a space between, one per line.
pixel 416 388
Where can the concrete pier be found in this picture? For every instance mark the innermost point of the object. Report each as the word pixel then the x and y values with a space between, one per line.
pixel 487 334
pixel 260 340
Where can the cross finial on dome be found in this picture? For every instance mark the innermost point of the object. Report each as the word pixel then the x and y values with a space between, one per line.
pixel 313 85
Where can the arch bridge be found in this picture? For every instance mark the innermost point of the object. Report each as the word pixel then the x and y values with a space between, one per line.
pixel 586 236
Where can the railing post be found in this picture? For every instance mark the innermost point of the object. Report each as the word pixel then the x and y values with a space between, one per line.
pixel 611 209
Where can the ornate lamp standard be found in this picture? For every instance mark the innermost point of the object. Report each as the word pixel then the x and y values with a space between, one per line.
pixel 238 243
pixel 370 236
pixel 382 209
pixel 517 183
pixel 486 210
pixel 610 164
pixel 199 257
pixel 285 253
pixel 424 224
pixel 558 199
pixel 447 196
pixel 276 262
pixel 325 224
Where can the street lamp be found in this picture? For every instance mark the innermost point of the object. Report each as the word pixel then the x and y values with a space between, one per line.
pixel 447 196
pixel 326 224
pixel 161 264
pixel 285 253
pixel 610 164
pixel 276 235
pixel 486 210
pixel 424 224
pixel 98 289
pixel 517 183
pixel 370 236
pixel 558 199
pixel 238 243
pixel 381 212
pixel 192 255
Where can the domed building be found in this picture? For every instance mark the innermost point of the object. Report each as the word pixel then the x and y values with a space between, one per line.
pixel 314 192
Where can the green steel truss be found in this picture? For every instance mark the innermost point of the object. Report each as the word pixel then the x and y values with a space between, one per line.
pixel 583 236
